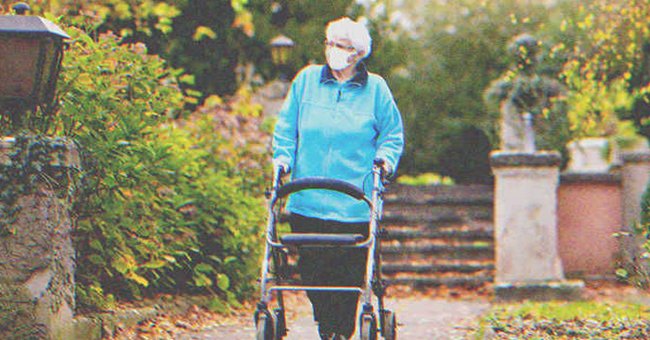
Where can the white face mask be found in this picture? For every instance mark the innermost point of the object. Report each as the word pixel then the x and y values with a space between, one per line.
pixel 337 58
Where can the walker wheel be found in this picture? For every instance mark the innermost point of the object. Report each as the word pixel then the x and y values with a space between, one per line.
pixel 264 327
pixel 368 330
pixel 389 325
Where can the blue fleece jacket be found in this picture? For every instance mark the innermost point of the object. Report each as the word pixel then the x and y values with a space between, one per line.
pixel 335 130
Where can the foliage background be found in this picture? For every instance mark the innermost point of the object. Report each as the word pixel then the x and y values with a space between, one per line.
pixel 171 198
pixel 166 201
pixel 438 56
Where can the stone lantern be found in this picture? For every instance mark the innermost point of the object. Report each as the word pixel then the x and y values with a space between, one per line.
pixel 281 47
pixel 271 96
pixel 30 60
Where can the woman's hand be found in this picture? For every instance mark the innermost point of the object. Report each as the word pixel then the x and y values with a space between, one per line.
pixel 280 167
pixel 386 168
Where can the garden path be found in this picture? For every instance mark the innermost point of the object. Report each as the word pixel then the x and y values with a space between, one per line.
pixel 418 318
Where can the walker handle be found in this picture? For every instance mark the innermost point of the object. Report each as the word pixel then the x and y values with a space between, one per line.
pixel 321 183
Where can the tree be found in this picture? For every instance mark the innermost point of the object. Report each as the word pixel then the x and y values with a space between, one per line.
pixel 456 53
pixel 207 39
pixel 210 40
pixel 304 22
pixel 609 58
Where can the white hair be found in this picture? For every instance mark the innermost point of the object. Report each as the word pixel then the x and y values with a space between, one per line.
pixel 346 28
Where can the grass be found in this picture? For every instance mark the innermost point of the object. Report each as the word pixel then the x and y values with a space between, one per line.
pixel 428 178
pixel 600 311
pixel 566 320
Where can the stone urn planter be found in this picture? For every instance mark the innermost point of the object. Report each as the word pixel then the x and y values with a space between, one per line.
pixel 589 155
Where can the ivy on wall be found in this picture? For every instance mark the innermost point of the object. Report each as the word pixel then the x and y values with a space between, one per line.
pixel 32 160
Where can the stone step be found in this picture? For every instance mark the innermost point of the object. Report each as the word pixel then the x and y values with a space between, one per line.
pixel 392 217
pixel 458 281
pixel 392 268
pixel 437 235
pixel 439 200
pixel 476 194
pixel 434 215
pixel 456 234
pixel 481 250
pixel 421 271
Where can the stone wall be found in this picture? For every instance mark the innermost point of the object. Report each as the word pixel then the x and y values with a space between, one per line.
pixel 595 212
pixel 36 252
pixel 589 215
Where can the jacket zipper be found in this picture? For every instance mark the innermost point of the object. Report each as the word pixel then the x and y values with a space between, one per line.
pixel 329 146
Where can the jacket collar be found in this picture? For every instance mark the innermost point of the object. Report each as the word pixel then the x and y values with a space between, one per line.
pixel 359 79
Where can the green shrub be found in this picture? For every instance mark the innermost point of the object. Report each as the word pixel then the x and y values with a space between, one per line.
pixel 164 204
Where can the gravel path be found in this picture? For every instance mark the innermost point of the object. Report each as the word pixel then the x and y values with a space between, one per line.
pixel 417 319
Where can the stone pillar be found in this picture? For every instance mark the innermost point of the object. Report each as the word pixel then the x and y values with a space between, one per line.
pixel 635 175
pixel 528 264
pixel 36 252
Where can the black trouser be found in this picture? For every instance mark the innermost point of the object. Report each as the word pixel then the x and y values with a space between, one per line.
pixel 334 311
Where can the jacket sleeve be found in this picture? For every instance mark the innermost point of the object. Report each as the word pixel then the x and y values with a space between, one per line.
pixel 285 135
pixel 390 139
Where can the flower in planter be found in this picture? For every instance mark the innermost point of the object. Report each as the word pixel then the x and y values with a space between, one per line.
pixel 594 107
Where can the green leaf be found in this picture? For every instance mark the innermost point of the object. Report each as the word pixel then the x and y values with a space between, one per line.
pixel 238 5
pixel 193 93
pixel 120 265
pixel 203 268
pixel 202 280
pixel 213 100
pixel 165 10
pixel 124 263
pixel 223 282
pixel 217 305
pixel 137 279
pixel 96 260
pixel 203 32
pixel 232 300
pixel 183 203
pixel 95 244
pixel 188 79
pixel 155 264
pixel 216 259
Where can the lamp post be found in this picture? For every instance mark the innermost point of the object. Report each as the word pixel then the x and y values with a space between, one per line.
pixel 281 47
pixel 37 258
pixel 31 50
pixel 271 95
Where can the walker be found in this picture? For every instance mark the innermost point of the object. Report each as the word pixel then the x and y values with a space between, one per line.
pixel 271 325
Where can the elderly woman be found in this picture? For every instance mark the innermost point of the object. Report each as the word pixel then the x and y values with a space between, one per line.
pixel 337 118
